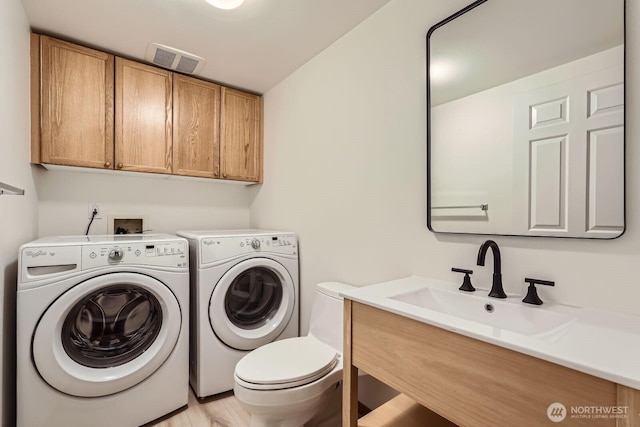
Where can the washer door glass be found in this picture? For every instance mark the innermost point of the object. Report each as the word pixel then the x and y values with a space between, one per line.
pixel 106 334
pixel 252 303
pixel 112 326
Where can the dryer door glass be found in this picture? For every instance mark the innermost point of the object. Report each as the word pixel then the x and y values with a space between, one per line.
pixel 253 298
pixel 252 303
pixel 111 326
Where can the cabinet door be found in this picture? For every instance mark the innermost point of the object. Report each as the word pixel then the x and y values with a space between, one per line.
pixel 77 105
pixel 143 118
pixel 241 136
pixel 196 127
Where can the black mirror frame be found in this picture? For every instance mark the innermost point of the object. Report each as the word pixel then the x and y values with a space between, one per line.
pixel 428 129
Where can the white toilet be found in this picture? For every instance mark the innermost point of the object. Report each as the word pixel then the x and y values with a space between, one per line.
pixel 295 381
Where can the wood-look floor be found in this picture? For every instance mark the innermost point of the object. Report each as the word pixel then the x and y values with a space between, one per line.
pixel 222 411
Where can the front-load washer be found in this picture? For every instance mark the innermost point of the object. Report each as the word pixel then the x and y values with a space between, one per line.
pixel 244 294
pixel 102 330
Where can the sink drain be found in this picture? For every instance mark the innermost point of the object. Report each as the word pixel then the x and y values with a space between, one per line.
pixel 489 308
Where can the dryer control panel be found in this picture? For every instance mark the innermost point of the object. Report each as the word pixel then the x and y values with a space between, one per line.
pixel 168 254
pixel 220 248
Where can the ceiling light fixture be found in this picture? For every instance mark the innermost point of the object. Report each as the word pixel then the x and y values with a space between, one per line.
pixel 225 4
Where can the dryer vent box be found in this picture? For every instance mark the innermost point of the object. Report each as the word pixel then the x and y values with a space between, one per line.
pixel 126 224
pixel 174 59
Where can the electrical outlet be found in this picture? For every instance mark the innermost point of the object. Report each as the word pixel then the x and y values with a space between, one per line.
pixel 96 206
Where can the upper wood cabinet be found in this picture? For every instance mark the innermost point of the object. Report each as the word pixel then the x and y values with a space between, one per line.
pixel 76 107
pixel 241 136
pixel 196 127
pixel 144 105
pixel 92 109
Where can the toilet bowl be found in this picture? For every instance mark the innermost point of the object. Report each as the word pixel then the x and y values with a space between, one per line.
pixel 297 381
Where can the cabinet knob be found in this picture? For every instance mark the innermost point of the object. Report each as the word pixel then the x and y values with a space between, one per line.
pixel 224 175
pixel 107 164
pixel 120 165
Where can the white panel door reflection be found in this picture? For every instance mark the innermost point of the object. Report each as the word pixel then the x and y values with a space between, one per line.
pixel 566 135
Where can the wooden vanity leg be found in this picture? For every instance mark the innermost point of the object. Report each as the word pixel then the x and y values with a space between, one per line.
pixel 630 398
pixel 350 375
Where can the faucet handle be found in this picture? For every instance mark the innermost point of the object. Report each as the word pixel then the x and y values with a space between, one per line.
pixel 466 282
pixel 532 292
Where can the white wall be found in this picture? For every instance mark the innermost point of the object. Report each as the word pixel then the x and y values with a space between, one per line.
pixel 168 204
pixel 345 168
pixel 468 134
pixel 18 214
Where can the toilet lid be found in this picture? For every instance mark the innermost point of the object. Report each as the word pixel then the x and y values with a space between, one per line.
pixel 287 363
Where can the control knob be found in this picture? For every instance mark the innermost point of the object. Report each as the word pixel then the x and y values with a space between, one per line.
pixel 116 255
pixel 255 244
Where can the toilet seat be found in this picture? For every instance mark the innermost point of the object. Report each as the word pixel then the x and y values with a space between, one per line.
pixel 291 363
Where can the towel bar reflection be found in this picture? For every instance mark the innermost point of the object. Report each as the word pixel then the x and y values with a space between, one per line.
pixel 483 206
pixel 10 190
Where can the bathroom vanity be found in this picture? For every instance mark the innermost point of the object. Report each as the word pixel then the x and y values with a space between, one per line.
pixel 463 367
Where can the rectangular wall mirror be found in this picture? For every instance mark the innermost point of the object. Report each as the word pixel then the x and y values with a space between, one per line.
pixel 525 119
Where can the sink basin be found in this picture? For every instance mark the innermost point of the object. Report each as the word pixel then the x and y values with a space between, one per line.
pixel 503 314
pixel 601 343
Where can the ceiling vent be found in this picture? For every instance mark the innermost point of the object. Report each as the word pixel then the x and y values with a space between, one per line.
pixel 174 59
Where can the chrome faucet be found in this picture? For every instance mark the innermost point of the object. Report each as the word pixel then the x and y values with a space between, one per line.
pixel 496 287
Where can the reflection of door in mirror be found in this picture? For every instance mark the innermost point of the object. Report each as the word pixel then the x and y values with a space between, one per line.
pixel 569 151
pixel 544 146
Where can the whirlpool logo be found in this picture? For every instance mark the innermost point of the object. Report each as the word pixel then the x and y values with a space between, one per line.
pixel 557 412
pixel 36 254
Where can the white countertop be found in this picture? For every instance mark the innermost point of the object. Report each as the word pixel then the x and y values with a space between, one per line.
pixel 600 343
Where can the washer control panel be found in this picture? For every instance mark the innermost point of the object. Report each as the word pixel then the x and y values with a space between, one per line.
pixel 216 249
pixel 170 254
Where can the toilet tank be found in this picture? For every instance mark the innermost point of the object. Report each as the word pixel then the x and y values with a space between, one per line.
pixel 327 313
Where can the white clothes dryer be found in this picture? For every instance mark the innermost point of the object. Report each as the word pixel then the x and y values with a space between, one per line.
pixel 244 294
pixel 102 330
